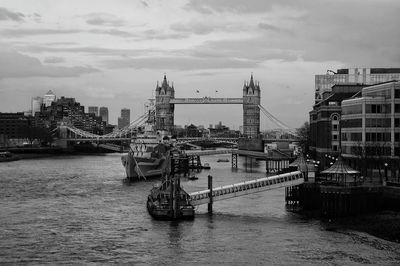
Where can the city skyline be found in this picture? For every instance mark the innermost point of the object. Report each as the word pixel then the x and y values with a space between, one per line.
pixel 113 54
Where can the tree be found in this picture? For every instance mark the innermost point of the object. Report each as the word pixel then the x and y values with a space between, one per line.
pixel 303 137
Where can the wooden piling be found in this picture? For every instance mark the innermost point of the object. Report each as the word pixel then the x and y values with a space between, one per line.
pixel 209 206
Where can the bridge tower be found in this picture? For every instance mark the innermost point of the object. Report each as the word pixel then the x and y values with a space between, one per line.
pixel 251 111
pixel 165 109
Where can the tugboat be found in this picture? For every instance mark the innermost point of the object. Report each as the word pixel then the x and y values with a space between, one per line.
pixel 168 201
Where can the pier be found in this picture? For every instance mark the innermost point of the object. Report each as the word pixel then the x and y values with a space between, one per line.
pixel 211 195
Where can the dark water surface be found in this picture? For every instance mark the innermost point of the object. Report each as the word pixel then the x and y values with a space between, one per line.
pixel 78 210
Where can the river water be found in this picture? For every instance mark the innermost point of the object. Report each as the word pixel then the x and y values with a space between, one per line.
pixel 79 210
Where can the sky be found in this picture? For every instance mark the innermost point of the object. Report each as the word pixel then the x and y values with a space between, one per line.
pixel 112 53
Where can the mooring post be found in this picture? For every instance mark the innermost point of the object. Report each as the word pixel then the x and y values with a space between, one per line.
pixel 210 194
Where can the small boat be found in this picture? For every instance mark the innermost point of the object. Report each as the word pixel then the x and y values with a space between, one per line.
pixel 8 157
pixel 223 160
pixel 193 177
pixel 206 166
pixel 169 201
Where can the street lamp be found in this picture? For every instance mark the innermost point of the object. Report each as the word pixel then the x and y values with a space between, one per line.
pixel 386 165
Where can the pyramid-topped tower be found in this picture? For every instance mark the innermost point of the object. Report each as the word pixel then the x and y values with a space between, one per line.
pixel 251 111
pixel 164 109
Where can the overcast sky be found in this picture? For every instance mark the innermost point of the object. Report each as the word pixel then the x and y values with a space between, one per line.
pixel 111 53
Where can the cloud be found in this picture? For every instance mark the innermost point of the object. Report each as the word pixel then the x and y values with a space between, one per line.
pixel 179 63
pixel 6 14
pixel 144 3
pixel 114 32
pixel 104 19
pixel 269 27
pixel 53 60
pixel 99 92
pixel 236 6
pixel 17 65
pixel 30 31
pixel 196 28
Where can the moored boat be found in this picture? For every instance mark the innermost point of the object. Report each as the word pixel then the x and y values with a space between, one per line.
pixel 8 157
pixel 148 155
pixel 168 201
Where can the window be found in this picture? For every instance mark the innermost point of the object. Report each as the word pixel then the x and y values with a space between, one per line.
pixel 351 123
pixel 376 108
pixel 396 136
pixel 355 136
pixel 397 93
pixel 397 108
pixel 335 137
pixel 335 127
pixel 334 147
pixel 397 122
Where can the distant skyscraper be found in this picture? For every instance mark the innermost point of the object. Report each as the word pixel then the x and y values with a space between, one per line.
pixel 48 98
pixel 125 118
pixel 36 104
pixel 93 110
pixel 104 114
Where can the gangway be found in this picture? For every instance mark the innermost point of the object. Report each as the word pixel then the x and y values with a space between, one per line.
pixel 246 187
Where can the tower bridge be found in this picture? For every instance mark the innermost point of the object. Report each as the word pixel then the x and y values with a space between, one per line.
pixel 165 106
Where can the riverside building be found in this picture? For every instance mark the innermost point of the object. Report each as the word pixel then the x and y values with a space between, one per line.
pixel 370 134
pixel 325 123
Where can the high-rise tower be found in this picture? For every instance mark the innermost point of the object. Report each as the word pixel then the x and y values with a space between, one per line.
pixel 164 109
pixel 103 112
pixel 251 111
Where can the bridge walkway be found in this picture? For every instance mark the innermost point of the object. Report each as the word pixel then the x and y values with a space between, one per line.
pixel 246 187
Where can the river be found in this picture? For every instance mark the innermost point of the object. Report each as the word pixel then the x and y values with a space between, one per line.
pixel 79 210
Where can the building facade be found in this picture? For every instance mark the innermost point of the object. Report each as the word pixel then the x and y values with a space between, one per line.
pixel 103 112
pixel 36 105
pixel 125 118
pixel 14 125
pixel 71 112
pixel 369 76
pixel 93 110
pixel 325 124
pixel 371 129
pixel 48 98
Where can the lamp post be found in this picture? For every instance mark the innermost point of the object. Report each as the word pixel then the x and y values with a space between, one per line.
pixel 386 177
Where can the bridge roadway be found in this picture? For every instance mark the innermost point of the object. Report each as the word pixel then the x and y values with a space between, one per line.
pixel 246 187
pixel 253 154
pixel 207 100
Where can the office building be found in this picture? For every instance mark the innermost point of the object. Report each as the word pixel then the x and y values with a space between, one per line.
pixel 68 111
pixel 36 105
pixel 325 122
pixel 369 76
pixel 125 118
pixel 104 114
pixel 371 130
pixel 93 110
pixel 48 98
pixel 13 125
